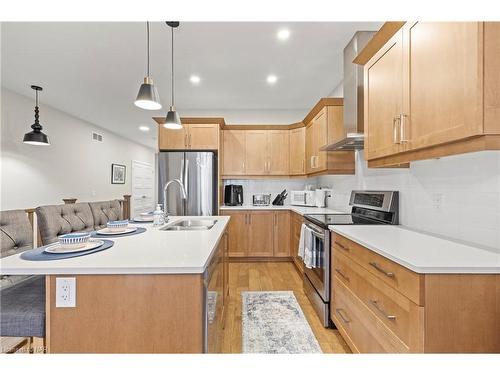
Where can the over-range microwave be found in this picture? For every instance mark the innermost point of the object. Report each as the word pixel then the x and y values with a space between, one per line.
pixel 302 198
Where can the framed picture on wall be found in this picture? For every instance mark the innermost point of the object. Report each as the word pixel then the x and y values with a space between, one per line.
pixel 118 174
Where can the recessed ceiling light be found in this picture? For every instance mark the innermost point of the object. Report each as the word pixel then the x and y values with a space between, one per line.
pixel 283 34
pixel 144 128
pixel 271 79
pixel 195 79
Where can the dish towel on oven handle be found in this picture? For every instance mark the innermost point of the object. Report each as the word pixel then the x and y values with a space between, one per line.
pixel 307 251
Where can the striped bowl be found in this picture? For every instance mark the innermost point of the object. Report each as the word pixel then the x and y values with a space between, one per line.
pixel 117 225
pixel 73 240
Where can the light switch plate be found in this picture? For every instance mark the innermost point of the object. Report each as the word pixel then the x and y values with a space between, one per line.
pixel 65 292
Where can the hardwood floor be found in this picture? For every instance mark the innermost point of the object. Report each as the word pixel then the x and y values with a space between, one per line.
pixel 266 276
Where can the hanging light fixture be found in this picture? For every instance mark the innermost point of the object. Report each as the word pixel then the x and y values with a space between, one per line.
pixel 36 136
pixel 148 97
pixel 172 121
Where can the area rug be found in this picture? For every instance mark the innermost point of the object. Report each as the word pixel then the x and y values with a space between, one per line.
pixel 273 322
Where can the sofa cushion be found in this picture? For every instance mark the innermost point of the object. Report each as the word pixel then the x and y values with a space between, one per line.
pixel 56 220
pixel 23 309
pixel 16 233
pixel 105 211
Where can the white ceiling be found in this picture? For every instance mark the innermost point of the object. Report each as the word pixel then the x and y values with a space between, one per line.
pixel 93 70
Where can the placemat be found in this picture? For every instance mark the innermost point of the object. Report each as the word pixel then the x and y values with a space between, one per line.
pixel 138 231
pixel 39 254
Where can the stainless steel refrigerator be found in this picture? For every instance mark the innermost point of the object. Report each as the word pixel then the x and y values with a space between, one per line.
pixel 198 172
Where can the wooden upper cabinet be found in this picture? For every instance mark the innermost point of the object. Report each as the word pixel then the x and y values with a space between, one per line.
pixel 336 130
pixel 282 234
pixel 190 137
pixel 383 79
pixel 320 139
pixel 261 234
pixel 256 152
pixel 310 158
pixel 172 139
pixel 443 62
pixel 433 90
pixel 233 152
pixel 203 137
pixel 297 151
pixel 278 152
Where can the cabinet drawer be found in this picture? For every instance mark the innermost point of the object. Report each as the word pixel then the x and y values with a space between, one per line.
pixel 397 312
pixel 362 330
pixel 400 278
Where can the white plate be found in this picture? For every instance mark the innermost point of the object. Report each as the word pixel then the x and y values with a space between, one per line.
pixel 108 232
pixel 144 219
pixel 57 249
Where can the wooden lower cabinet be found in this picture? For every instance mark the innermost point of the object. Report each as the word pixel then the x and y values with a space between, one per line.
pixel 380 306
pixel 259 233
pixel 282 234
pixel 296 221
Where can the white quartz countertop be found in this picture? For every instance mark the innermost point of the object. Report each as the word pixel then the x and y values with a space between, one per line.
pixel 301 210
pixel 422 253
pixel 152 252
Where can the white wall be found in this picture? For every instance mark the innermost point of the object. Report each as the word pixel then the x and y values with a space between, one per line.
pixel 338 91
pixel 456 196
pixel 73 166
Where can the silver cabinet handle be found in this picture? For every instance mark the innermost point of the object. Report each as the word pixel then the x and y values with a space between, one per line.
pixel 402 128
pixel 189 139
pixel 341 312
pixel 302 168
pixel 342 274
pixel 186 140
pixel 381 270
pixel 341 246
pixel 243 166
pixel 395 130
pixel 375 304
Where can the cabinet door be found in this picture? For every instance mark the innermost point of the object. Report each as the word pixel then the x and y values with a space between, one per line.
pixel 383 99
pixel 256 149
pixel 279 152
pixel 445 82
pixel 297 151
pixel 320 125
pixel 282 234
pixel 237 232
pixel 261 234
pixel 233 152
pixel 172 139
pixel 309 148
pixel 336 130
pixel 296 224
pixel 203 136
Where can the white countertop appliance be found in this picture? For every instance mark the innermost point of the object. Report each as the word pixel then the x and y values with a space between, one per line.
pixel 303 198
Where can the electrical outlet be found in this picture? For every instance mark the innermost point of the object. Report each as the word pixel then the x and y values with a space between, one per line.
pixel 437 200
pixel 65 292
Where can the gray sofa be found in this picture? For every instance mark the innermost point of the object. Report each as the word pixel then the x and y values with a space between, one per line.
pixel 56 220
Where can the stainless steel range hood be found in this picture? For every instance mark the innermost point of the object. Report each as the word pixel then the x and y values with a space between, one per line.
pixel 353 96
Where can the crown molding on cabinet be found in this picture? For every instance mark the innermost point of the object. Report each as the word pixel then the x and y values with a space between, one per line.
pixel 385 33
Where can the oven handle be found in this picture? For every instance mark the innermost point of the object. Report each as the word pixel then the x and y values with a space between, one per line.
pixel 316 230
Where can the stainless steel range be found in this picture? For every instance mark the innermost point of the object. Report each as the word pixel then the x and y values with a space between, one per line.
pixel 368 208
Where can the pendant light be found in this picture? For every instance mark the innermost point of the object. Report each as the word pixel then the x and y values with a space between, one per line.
pixel 36 136
pixel 148 97
pixel 172 121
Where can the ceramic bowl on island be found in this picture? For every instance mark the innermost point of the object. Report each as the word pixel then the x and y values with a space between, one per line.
pixel 73 240
pixel 117 225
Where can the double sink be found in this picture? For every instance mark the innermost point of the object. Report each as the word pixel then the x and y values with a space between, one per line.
pixel 190 224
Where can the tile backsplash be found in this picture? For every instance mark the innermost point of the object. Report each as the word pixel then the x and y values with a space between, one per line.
pixel 270 186
pixel 456 196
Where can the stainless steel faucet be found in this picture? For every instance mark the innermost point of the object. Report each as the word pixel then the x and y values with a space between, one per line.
pixel 183 192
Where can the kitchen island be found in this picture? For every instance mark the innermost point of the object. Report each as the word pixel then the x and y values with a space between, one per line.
pixel 155 292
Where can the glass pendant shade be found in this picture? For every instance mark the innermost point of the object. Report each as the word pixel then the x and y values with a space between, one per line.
pixel 148 97
pixel 36 136
pixel 172 121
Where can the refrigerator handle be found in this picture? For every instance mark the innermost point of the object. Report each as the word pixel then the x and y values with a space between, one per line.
pixel 185 178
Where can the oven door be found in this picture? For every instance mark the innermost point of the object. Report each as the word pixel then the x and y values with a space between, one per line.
pixel 320 277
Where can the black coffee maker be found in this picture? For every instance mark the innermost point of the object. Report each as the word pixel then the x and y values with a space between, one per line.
pixel 233 195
